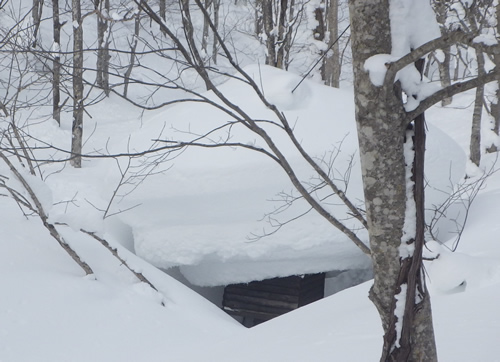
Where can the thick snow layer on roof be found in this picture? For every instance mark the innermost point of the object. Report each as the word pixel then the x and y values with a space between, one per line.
pixel 208 211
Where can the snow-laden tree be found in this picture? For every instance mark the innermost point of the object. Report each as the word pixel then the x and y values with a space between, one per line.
pixel 389 38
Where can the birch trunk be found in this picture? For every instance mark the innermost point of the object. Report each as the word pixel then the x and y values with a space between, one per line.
pixel 77 129
pixel 475 137
pixel 381 126
pixel 56 63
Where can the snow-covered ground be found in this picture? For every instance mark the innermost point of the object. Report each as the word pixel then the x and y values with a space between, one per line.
pixel 50 312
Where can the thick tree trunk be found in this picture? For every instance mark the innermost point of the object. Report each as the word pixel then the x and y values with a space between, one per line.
pixel 77 130
pixel 56 63
pixel 381 133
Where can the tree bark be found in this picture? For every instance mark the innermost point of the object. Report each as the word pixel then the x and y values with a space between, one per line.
pixel 268 22
pixel 330 69
pixel 216 25
pixel 77 129
pixel 102 78
pixel 56 63
pixel 381 131
pixel 495 105
pixel 133 47
pixel 36 14
pixel 475 137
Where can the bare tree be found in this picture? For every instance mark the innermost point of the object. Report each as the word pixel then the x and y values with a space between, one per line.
pixel 56 63
pixel 103 30
pixel 330 69
pixel 77 130
pixel 36 13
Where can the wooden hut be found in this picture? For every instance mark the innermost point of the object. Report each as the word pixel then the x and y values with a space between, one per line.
pixel 259 301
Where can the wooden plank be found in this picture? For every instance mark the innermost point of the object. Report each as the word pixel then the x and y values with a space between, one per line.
pixel 242 306
pixel 261 294
pixel 260 302
pixel 265 288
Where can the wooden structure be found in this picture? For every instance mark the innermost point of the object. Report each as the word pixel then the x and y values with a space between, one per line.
pixel 259 301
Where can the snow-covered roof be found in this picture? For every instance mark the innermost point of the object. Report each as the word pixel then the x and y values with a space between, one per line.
pixel 207 214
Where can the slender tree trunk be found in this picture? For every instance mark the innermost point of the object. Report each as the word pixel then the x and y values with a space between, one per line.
pixel 382 132
pixel 267 18
pixel 495 105
pixel 216 4
pixel 77 130
pixel 56 63
pixel 163 10
pixel 204 37
pixel 36 14
pixel 330 69
pixel 102 78
pixel 259 19
pixel 288 36
pixel 282 31
pixel 133 47
pixel 475 137
pixel 444 73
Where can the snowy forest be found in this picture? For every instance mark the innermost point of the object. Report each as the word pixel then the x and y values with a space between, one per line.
pixel 249 180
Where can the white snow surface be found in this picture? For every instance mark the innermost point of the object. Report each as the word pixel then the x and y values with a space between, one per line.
pixel 206 212
pixel 50 312
pixel 48 304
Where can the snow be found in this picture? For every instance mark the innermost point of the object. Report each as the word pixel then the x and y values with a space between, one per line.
pixel 212 223
pixel 199 213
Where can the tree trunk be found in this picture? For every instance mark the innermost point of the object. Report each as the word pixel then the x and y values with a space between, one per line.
pixel 36 14
pixel 216 5
pixel 204 37
pixel 268 22
pixel 381 133
pixel 282 31
pixel 102 78
pixel 444 73
pixel 163 10
pixel 77 130
pixel 56 63
pixel 133 47
pixel 495 106
pixel 475 137
pixel 330 69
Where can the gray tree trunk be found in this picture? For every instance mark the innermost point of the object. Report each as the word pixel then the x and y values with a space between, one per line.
pixel 204 37
pixel 268 24
pixel 381 133
pixel 163 10
pixel 495 106
pixel 102 78
pixel 133 47
pixel 216 25
pixel 282 30
pixel 475 137
pixel 330 70
pixel 36 14
pixel 441 8
pixel 77 129
pixel 56 63
pixel 444 74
